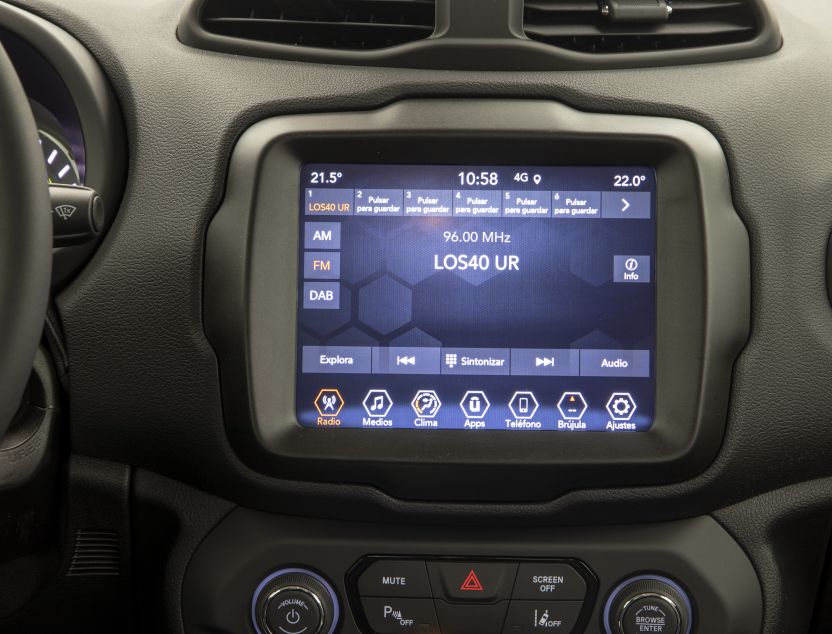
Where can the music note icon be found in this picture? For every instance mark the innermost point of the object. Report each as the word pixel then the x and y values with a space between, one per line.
pixel 378 403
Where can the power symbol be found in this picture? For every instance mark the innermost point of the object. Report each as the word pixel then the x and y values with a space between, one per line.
pixel 293 617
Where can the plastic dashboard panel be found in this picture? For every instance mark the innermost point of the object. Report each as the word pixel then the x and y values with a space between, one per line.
pixel 250 300
pixel 477 35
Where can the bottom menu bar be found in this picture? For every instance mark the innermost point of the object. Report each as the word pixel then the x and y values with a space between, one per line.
pixel 475 361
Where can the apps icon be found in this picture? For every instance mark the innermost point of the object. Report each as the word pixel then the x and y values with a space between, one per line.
pixel 329 402
pixel 523 405
pixel 572 405
pixel 621 406
pixel 377 403
pixel 474 404
pixel 426 404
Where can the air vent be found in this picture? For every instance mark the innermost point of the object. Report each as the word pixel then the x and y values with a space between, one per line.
pixel 329 24
pixel 589 26
pixel 96 554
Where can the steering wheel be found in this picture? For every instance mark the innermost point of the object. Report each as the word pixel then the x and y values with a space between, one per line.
pixel 25 241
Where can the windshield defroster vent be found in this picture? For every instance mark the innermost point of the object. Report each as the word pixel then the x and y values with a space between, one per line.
pixel 621 26
pixel 332 24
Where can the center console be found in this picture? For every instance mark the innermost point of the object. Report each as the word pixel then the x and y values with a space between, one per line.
pixel 464 302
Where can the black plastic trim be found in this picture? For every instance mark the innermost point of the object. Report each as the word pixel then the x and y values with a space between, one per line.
pixel 703 291
pixel 477 35
pixel 101 121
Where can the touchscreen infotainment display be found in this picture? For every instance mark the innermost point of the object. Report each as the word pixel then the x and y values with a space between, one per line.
pixel 438 297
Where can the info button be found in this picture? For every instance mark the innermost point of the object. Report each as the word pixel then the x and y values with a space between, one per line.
pixel 631 269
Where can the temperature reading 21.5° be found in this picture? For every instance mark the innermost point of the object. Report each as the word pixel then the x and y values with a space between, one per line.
pixel 625 180
pixel 325 178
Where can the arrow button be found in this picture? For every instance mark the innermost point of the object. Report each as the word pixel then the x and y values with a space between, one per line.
pixel 629 205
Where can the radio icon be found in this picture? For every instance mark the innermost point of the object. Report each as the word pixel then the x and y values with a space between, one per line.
pixel 329 402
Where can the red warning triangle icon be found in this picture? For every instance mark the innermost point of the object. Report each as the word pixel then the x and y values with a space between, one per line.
pixel 471 583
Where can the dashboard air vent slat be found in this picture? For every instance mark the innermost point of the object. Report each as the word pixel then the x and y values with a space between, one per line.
pixel 336 24
pixel 581 25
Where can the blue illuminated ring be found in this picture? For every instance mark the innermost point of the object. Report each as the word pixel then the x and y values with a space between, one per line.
pixel 336 612
pixel 623 584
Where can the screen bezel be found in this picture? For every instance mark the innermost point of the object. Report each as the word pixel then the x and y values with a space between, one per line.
pixel 702 288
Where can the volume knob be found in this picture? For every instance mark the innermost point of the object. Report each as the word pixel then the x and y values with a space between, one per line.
pixel 294 601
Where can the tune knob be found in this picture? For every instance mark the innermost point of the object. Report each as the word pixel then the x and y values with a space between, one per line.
pixel 648 604
pixel 294 601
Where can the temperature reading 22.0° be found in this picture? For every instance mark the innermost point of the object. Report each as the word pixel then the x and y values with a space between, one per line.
pixel 625 180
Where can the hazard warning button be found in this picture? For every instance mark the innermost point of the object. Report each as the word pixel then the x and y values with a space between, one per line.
pixel 471 581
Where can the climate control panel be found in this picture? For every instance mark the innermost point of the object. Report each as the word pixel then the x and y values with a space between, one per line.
pixel 476 596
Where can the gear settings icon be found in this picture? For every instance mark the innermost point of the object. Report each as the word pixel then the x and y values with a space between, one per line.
pixel 621 406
